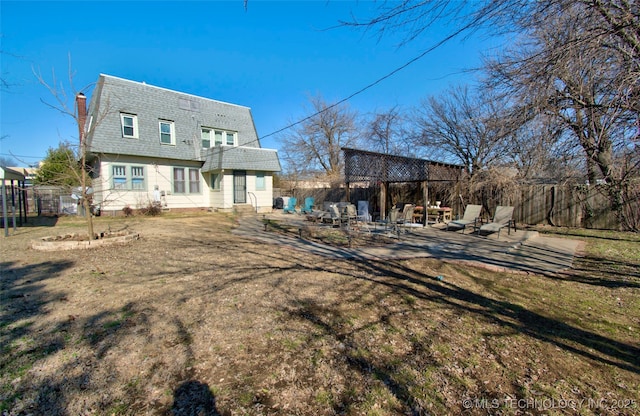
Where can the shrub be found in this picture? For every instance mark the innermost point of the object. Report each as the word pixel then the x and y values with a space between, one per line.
pixel 127 211
pixel 151 209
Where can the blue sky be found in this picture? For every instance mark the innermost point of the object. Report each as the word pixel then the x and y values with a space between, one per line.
pixel 270 57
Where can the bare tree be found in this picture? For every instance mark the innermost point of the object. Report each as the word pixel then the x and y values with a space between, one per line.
pixel 386 132
pixel 582 66
pixel 314 145
pixel 77 110
pixel 460 127
pixel 539 150
pixel 566 69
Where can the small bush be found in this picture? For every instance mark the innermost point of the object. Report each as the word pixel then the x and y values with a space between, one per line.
pixel 151 209
pixel 127 211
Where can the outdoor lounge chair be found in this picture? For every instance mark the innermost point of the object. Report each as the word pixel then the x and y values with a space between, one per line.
pixel 309 203
pixel 471 216
pixel 406 217
pixel 394 215
pixel 332 215
pixel 503 217
pixel 349 214
pixel 291 206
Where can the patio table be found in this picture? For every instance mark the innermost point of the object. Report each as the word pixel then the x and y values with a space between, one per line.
pixel 442 214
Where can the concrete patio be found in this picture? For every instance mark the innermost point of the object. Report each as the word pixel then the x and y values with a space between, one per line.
pixel 520 251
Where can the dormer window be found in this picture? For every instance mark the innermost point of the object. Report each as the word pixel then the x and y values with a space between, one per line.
pixel 231 138
pixel 129 123
pixel 225 137
pixel 206 138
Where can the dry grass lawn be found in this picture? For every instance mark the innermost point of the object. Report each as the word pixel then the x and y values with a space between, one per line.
pixel 192 320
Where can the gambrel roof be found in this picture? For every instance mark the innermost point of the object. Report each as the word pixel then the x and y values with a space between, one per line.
pixel 113 96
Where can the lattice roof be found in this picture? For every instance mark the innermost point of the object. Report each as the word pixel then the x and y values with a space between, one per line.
pixel 362 166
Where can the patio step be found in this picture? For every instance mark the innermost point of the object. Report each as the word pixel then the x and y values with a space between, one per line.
pixel 244 209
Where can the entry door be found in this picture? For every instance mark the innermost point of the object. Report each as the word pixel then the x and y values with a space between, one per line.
pixel 239 187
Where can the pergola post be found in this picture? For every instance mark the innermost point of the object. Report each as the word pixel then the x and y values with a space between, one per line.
pixel 383 200
pixel 425 202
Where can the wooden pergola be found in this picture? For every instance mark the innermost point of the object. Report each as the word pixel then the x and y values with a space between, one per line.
pixel 365 166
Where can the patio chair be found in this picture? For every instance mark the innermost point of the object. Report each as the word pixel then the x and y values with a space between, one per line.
pixel 503 217
pixel 471 216
pixel 332 215
pixel 291 206
pixel 363 211
pixel 349 214
pixel 391 222
pixel 406 217
pixel 309 204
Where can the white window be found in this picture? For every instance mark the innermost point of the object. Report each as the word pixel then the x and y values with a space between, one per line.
pixel 137 178
pixel 194 181
pixel 206 138
pixel 129 124
pixel 231 138
pixel 167 132
pixel 218 134
pixel 260 183
pixel 178 181
pixel 225 137
pixel 215 181
pixel 119 177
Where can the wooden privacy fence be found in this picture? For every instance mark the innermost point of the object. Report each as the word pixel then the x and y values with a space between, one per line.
pixel 560 205
pixel 572 206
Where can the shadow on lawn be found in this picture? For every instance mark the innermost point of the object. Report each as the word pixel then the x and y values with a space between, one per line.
pixel 23 294
pixel 33 221
pixel 510 315
pixel 598 271
pixel 77 355
pixel 518 319
pixel 24 301
pixel 194 398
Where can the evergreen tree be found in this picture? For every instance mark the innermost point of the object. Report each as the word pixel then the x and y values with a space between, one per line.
pixel 59 168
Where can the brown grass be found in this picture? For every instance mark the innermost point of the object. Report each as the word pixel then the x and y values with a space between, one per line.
pixel 191 319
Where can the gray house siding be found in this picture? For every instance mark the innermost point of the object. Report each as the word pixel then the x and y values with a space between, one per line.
pixel 107 146
pixel 150 105
pixel 240 158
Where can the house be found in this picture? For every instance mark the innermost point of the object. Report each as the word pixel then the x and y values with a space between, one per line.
pixel 148 145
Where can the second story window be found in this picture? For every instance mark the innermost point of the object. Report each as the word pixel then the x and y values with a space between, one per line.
pixel 167 132
pixel 129 123
pixel 225 137
pixel 231 138
pixel 206 138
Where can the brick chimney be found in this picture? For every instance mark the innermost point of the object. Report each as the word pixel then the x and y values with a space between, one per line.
pixel 81 106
